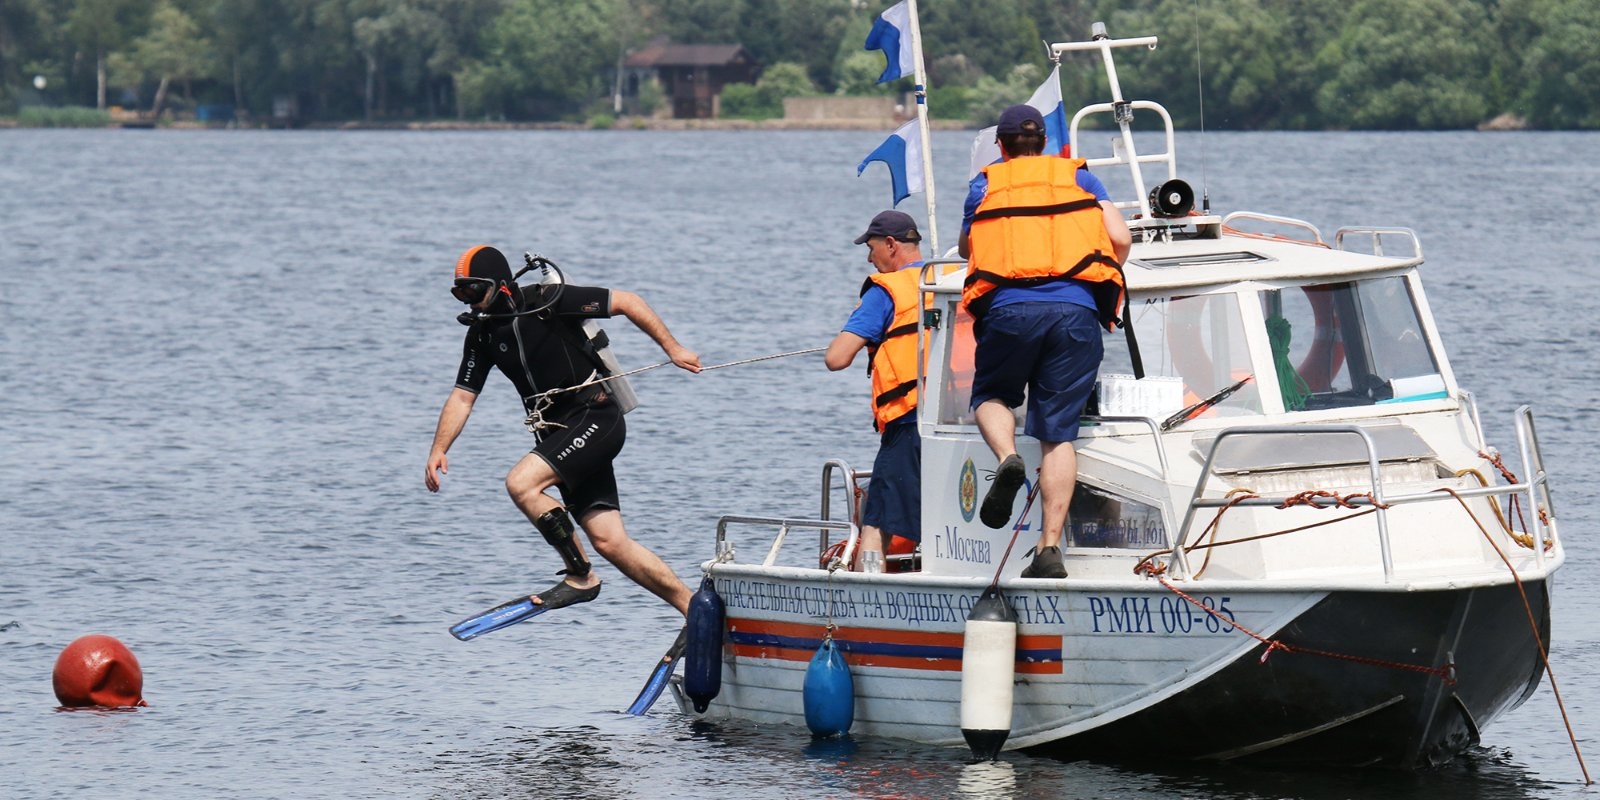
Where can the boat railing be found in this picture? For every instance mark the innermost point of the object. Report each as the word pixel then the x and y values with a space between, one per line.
pixel 1155 435
pixel 1288 222
pixel 1377 235
pixel 1535 488
pixel 1470 402
pixel 852 481
pixel 725 552
pixel 1538 482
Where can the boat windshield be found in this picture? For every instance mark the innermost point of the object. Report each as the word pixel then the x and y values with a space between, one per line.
pixel 1333 345
pixel 1177 337
pixel 1350 344
pixel 1193 347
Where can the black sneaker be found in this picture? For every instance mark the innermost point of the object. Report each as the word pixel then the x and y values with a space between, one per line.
pixel 996 511
pixel 1047 563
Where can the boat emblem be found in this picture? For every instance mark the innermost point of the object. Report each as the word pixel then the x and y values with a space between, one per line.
pixel 968 490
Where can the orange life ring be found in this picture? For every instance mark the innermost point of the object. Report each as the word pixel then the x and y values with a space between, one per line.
pixel 1321 363
pixel 1326 356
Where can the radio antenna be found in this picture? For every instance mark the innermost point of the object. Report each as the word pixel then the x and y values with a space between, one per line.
pixel 1200 91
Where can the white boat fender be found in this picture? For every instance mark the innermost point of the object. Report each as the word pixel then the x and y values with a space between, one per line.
pixel 988 669
pixel 702 657
pixel 830 692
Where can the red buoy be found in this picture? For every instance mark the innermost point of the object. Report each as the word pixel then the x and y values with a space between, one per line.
pixel 98 670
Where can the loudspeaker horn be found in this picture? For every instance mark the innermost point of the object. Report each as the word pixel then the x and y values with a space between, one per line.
pixel 1172 199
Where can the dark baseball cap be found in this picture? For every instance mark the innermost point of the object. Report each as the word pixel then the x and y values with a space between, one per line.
pixel 1016 118
pixel 898 224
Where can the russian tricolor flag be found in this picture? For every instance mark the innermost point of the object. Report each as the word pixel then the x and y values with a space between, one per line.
pixel 902 154
pixel 891 33
pixel 1046 98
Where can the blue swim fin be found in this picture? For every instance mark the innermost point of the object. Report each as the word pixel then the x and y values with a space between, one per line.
pixel 659 676
pixel 519 609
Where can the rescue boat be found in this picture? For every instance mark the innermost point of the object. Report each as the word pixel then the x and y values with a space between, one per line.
pixel 1290 540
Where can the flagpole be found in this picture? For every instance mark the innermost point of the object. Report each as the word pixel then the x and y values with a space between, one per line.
pixel 922 126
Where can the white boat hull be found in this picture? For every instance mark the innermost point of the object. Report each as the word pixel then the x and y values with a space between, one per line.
pixel 1136 671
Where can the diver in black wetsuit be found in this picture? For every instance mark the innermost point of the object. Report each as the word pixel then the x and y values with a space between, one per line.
pixel 540 352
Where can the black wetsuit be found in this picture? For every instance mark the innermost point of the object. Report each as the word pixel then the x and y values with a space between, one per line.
pixel 538 357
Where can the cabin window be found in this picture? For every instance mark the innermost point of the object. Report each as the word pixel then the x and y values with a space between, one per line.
pixel 1198 341
pixel 956 394
pixel 1102 518
pixel 1359 343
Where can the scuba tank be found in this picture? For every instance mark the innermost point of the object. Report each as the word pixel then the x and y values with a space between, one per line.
pixel 595 344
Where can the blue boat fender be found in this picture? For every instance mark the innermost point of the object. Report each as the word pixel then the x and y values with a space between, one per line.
pixel 988 671
pixel 830 692
pixel 702 657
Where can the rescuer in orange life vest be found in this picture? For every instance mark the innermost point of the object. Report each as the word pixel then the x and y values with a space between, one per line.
pixel 885 322
pixel 1045 247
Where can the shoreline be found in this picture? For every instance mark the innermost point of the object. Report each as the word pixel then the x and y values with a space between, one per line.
pixel 621 124
pixel 1502 123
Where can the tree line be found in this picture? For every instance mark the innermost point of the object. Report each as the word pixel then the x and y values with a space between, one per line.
pixel 1250 64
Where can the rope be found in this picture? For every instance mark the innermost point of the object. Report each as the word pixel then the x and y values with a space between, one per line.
pixel 542 401
pixel 1015 530
pixel 1522 539
pixel 1149 567
pixel 1445 673
pixel 1294 388
pixel 1236 496
pixel 1533 624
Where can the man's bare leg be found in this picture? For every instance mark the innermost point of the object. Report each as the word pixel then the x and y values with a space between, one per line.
pixel 1058 477
pixel 526 483
pixel 998 424
pixel 636 561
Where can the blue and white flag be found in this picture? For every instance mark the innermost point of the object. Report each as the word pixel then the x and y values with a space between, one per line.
pixel 1046 98
pixel 902 154
pixel 891 33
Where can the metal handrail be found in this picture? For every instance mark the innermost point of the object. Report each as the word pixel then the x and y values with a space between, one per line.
pixel 1180 560
pixel 1535 486
pixel 1471 402
pixel 1538 481
pixel 1155 436
pixel 1290 222
pixel 725 550
pixel 1377 235
pixel 827 485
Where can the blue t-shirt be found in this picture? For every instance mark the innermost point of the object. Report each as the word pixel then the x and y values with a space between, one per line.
pixel 1069 291
pixel 871 318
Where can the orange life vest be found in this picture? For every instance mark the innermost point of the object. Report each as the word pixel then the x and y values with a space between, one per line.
pixel 1036 225
pixel 893 363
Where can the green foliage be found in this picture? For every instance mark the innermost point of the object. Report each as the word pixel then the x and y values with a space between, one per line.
pixel 764 99
pixel 990 97
pixel 1416 64
pixel 651 97
pixel 745 101
pixel 542 61
pixel 993 34
pixel 858 73
pixel 62 117
pixel 952 102
pixel 1288 64
pixel 786 80
pixel 602 122
pixel 1561 69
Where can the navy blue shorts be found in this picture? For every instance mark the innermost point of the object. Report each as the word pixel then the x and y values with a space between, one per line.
pixel 581 455
pixel 894 498
pixel 1052 350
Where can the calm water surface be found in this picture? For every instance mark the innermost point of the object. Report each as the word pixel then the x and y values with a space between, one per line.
pixel 222 355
